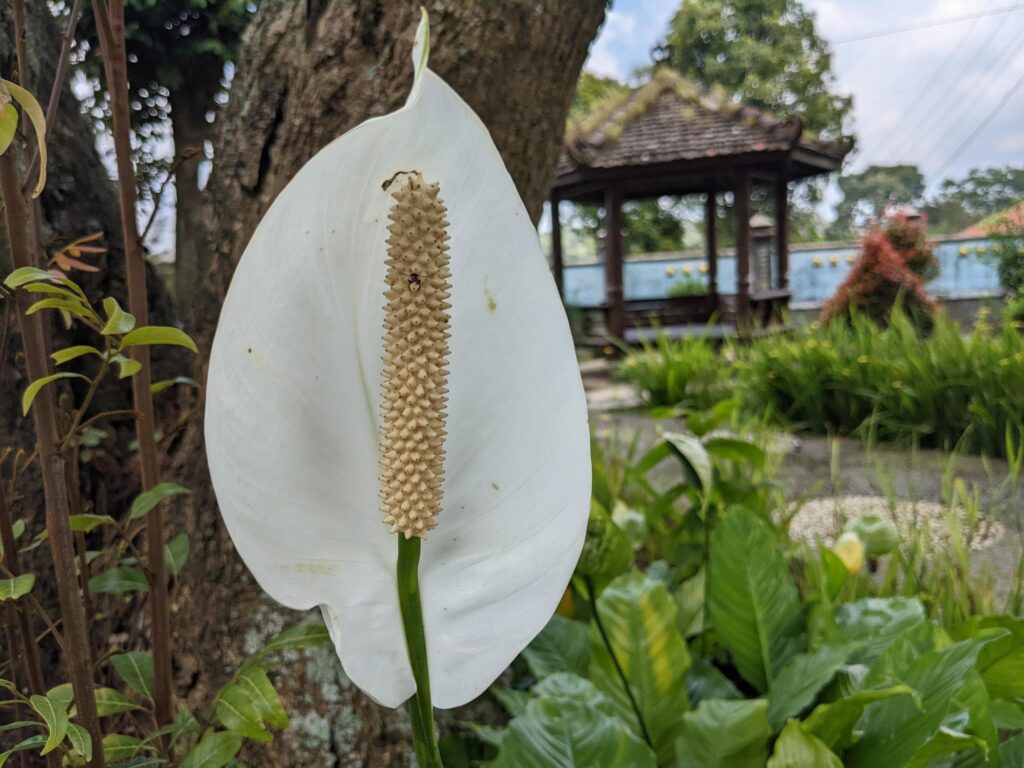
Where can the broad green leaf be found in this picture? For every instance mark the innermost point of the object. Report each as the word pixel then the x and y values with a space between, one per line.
pixel 563 685
pixel 8 126
pixel 1007 715
pixel 24 275
pixel 753 601
pixel 136 669
pixel 562 646
pixel 33 389
pixel 126 366
pixel 84 523
pixel 690 603
pixel 62 356
pixel 799 682
pixel 513 700
pixel 214 750
pixel 158 334
pixel 894 729
pixel 734 449
pixel 796 748
pixel 944 743
pixel 693 454
pixel 32 742
pixel 117 580
pixel 254 681
pixel 309 634
pixel 570 734
pixel 971 713
pixel 1011 752
pixel 1001 660
pixel 833 723
pixel 38 119
pixel 705 681
pixel 118 747
pixel 145 501
pixel 111 702
pixel 72 306
pixel 724 734
pixel 176 553
pixel 606 550
pixel 55 715
pixel 638 619
pixel 19 586
pixel 237 712
pixel 118 321
pixel 80 741
pixel 873 623
pixel 632 523
pixel 62 695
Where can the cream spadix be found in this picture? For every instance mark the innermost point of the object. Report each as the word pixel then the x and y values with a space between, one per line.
pixel 308 396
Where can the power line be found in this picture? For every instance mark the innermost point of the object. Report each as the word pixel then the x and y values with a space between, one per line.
pixel 981 126
pixel 929 25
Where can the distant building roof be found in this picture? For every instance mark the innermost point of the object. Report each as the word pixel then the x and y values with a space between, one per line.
pixel 670 120
pixel 1010 221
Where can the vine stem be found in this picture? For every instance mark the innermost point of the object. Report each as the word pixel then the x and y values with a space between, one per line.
pixel 421 711
pixel 592 598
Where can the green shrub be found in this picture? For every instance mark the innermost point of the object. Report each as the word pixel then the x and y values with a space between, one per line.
pixel 677 372
pixel 942 390
pixel 688 286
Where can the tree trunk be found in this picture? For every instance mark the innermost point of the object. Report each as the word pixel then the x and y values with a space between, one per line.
pixel 188 121
pixel 308 73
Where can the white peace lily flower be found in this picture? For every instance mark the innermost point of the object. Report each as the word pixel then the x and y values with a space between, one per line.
pixel 313 442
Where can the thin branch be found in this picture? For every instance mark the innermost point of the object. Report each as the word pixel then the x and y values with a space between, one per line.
pixel 189 154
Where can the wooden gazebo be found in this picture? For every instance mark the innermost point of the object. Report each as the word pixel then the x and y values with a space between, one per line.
pixel 671 137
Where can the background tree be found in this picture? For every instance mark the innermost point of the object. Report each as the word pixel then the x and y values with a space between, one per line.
pixel 764 52
pixel 981 193
pixel 866 194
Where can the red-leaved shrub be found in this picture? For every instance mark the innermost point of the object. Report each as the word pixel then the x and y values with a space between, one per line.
pixel 894 264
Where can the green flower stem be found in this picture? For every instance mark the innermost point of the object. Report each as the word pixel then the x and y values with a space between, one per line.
pixel 420 709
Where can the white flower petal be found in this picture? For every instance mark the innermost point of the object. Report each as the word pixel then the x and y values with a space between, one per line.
pixel 294 389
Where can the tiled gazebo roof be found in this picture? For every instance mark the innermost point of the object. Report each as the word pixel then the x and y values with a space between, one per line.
pixel 671 120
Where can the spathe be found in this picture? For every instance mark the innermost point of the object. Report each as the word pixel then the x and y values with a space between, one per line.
pixel 293 399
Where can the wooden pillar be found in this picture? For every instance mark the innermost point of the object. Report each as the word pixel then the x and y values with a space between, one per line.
pixel 616 310
pixel 782 229
pixel 711 238
pixel 741 211
pixel 557 265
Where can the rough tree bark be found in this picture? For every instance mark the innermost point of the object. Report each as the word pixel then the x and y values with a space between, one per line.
pixel 309 72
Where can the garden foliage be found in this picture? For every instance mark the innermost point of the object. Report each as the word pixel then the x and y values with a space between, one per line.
pixel 697 633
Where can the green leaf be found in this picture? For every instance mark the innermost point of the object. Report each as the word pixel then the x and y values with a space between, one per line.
pixel 145 501
pixel 879 535
pixel 253 679
pixel 736 450
pixel 85 523
pixel 159 334
pixel 562 646
pixel 24 275
pixel 118 580
pixel 19 586
pixel 80 741
pixel 564 685
pixel 126 366
pixel 118 747
pixel 724 734
pixel 62 695
pixel 514 701
pixel 32 742
pixel 753 601
pixel 606 550
pixel 176 553
pixel 874 623
pixel 705 681
pixel 693 454
pixel 1001 661
pixel 833 723
pixel 309 634
pixel 800 681
pixel 38 119
pixel 237 712
pixel 160 386
pixel 795 748
pixel 136 669
pixel 946 742
pixel 111 702
pixel 33 389
pixel 570 734
pixel 73 306
pixel 894 729
pixel 56 718
pixel 1011 752
pixel 214 750
pixel 638 618
pixel 62 356
pixel 118 321
pixel 8 126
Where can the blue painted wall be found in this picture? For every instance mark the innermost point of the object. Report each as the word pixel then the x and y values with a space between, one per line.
pixel 814 273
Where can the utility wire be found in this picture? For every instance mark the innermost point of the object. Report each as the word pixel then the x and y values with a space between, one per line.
pixel 929 25
pixel 980 127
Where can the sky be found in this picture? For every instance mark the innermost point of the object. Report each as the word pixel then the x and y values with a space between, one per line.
pixel 918 95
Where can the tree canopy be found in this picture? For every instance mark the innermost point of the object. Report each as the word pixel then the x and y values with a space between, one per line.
pixel 866 194
pixel 765 52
